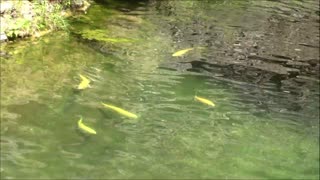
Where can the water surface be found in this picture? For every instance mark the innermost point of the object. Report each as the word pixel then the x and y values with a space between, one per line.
pixel 265 123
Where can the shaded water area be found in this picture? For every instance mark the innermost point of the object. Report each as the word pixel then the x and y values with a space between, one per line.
pixel 258 62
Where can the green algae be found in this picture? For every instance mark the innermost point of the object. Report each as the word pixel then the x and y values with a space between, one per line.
pixel 102 35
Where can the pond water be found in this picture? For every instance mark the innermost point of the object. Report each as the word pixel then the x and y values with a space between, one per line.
pixel 256 130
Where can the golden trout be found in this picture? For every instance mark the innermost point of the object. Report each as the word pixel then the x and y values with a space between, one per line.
pixel 181 52
pixel 84 82
pixel 205 101
pixel 120 111
pixel 85 128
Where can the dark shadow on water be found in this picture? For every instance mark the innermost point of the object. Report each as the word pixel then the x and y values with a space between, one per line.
pixel 122 5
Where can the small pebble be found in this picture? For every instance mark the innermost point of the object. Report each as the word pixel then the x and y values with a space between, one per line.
pixel 238 50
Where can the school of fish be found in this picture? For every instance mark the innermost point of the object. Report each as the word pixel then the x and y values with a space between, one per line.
pixel 85 83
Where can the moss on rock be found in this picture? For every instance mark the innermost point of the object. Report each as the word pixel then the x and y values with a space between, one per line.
pixel 30 18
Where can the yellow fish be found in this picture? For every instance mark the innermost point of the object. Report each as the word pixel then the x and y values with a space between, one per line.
pixel 84 82
pixel 85 128
pixel 121 111
pixel 205 101
pixel 181 52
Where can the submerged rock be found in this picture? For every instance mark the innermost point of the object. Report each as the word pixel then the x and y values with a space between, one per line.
pixel 81 5
pixel 3 37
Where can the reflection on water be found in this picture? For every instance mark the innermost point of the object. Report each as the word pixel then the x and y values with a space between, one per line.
pixel 263 125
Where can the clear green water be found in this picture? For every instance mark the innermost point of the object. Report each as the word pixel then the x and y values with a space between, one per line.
pixel 174 136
